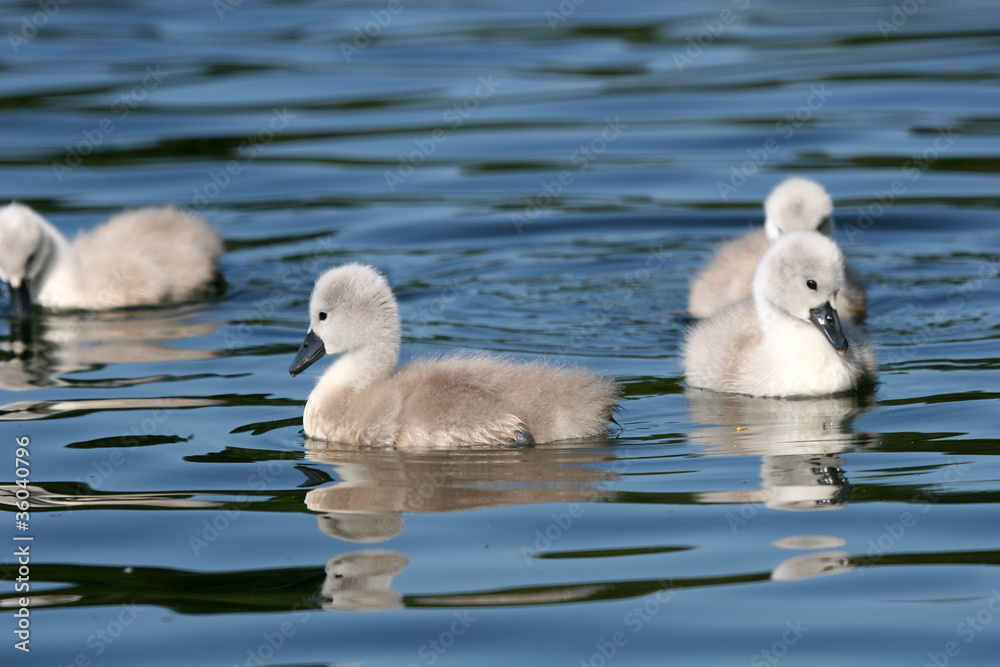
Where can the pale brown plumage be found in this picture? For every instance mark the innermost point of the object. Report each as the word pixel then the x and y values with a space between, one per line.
pixel 458 400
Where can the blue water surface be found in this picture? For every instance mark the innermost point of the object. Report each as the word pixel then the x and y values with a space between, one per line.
pixel 538 179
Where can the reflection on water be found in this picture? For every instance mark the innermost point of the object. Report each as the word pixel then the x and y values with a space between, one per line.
pixel 377 486
pixel 31 410
pixel 362 580
pixel 40 352
pixel 799 442
pixel 813 565
pixel 40 498
pixel 810 542
pixel 734 424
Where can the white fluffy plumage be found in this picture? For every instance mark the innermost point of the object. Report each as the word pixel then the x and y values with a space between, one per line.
pixel 794 204
pixel 138 257
pixel 787 338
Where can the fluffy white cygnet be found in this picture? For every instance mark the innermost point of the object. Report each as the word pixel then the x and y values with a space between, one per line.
pixel 143 256
pixel 456 400
pixel 787 339
pixel 795 204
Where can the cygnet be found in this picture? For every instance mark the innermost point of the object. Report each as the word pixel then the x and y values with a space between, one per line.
pixel 787 338
pixel 138 257
pixel 453 401
pixel 795 204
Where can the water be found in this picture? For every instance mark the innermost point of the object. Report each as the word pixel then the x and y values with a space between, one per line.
pixel 540 179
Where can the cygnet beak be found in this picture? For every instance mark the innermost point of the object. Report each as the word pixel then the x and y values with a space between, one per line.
pixel 20 298
pixel 312 349
pixel 826 320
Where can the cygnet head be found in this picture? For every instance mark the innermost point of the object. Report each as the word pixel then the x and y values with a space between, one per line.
pixel 352 309
pixel 798 203
pixel 25 251
pixel 800 276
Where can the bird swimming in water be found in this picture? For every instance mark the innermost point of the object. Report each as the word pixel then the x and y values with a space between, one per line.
pixel 452 401
pixel 787 339
pixel 139 257
pixel 795 204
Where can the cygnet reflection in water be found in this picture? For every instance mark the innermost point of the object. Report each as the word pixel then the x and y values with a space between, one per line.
pixel 809 566
pixel 377 487
pixel 795 204
pixel 362 580
pixel 40 352
pixel 799 442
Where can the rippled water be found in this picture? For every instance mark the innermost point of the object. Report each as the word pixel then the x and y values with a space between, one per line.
pixel 540 179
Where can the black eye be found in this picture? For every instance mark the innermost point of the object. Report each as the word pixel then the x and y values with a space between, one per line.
pixel 811 284
pixel 322 316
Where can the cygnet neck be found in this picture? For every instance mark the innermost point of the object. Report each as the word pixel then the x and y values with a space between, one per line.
pixel 796 341
pixel 374 359
pixel 771 316
pixel 61 278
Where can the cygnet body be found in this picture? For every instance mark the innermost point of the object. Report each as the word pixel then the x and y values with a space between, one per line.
pixel 138 257
pixel 457 400
pixel 787 338
pixel 795 204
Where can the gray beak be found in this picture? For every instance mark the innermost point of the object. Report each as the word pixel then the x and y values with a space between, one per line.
pixel 20 299
pixel 826 320
pixel 312 350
